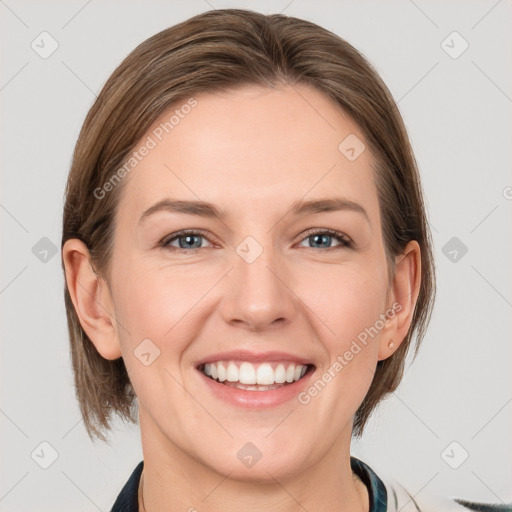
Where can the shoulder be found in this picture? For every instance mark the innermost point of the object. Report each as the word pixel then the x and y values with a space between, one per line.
pixel 400 499
pixel 391 496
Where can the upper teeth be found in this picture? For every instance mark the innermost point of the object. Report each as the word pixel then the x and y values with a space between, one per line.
pixel 248 373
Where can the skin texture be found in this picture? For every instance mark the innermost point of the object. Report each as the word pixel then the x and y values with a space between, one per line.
pixel 252 151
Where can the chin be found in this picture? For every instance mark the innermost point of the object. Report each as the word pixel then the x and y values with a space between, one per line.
pixel 260 460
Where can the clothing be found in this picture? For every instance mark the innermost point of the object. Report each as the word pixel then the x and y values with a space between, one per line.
pixel 383 497
pixel 128 499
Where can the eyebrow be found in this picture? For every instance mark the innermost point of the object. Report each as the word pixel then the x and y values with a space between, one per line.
pixel 298 208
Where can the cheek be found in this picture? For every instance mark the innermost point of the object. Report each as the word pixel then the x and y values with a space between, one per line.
pixel 154 302
pixel 347 300
pixel 350 301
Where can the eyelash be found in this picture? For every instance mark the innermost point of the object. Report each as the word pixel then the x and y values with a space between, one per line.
pixel 345 242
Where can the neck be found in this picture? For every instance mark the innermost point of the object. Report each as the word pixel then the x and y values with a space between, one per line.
pixel 328 485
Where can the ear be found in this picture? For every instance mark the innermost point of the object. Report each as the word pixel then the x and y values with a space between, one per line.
pixel 403 296
pixel 91 299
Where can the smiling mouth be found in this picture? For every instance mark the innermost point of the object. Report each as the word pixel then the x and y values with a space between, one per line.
pixel 255 377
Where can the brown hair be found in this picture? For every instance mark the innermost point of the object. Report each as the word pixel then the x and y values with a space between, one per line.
pixel 217 50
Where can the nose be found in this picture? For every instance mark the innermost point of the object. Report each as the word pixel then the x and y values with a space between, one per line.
pixel 258 295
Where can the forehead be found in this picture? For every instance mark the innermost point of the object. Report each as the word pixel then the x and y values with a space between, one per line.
pixel 250 145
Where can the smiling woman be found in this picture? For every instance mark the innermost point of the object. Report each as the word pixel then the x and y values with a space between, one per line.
pixel 252 286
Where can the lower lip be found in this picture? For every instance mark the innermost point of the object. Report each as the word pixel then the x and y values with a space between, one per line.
pixel 253 399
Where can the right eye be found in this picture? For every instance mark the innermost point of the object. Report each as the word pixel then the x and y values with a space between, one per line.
pixel 189 241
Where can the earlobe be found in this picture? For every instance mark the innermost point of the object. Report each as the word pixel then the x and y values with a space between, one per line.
pixel 91 299
pixel 404 294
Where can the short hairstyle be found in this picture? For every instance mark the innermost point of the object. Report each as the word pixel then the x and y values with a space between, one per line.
pixel 214 51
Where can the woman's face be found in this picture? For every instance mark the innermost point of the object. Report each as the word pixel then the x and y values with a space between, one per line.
pixel 259 288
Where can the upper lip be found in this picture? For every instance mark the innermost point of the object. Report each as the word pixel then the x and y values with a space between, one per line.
pixel 249 356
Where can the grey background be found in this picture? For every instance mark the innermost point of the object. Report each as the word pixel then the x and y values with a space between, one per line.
pixel 458 113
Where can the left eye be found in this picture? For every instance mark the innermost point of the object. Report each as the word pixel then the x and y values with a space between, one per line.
pixel 317 238
pixel 191 241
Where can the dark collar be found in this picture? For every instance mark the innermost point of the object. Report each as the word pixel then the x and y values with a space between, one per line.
pixel 376 489
pixel 127 501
